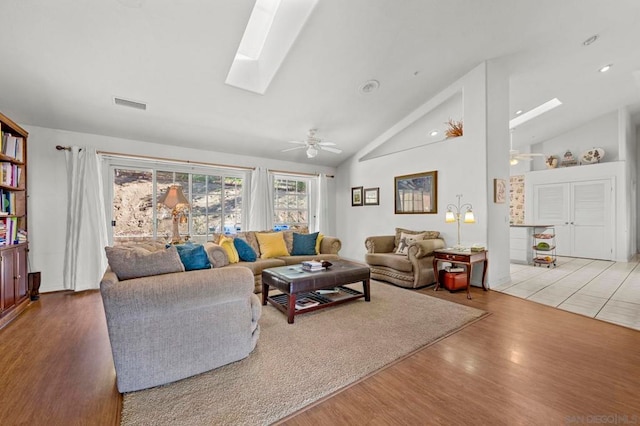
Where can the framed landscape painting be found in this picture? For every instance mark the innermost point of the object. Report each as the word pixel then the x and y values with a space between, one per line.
pixel 356 196
pixel 416 193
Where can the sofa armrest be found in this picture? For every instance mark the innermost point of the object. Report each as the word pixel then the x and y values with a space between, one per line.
pixel 380 244
pixel 423 248
pixel 163 295
pixel 217 255
pixel 330 245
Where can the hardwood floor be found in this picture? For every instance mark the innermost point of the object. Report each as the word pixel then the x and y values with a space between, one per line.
pixel 527 363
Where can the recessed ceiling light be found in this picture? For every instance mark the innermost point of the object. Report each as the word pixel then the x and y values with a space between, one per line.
pixel 590 40
pixel 369 87
pixel 433 133
pixel 606 68
pixel 518 112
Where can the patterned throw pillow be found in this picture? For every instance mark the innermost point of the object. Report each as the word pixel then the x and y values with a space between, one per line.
pixel 271 244
pixel 428 235
pixel 406 240
pixel 245 252
pixel 227 244
pixel 135 262
pixel 304 244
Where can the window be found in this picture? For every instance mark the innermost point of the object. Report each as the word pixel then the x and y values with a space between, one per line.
pixel 215 197
pixel 291 201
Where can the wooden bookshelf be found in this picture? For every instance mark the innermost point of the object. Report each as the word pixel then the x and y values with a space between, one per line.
pixel 14 290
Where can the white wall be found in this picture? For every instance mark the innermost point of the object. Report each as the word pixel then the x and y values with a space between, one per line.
pixel 462 166
pixel 48 189
pixel 601 132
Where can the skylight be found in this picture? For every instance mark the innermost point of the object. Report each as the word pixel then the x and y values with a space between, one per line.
pixel 272 28
pixel 535 112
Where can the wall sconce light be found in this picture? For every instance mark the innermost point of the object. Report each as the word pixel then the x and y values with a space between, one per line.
pixel 455 214
pixel 175 200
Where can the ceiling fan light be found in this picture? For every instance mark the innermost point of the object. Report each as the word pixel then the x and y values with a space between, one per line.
pixel 311 152
pixel 513 161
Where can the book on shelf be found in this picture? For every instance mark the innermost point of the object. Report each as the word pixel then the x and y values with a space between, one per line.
pixel 305 303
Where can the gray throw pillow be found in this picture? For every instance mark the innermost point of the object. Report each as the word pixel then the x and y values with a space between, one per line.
pixel 135 262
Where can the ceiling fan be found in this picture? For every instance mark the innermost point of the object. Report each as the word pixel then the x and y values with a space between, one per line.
pixel 515 156
pixel 313 145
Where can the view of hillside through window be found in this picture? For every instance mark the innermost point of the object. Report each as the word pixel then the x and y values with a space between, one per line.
pixel 215 204
pixel 290 203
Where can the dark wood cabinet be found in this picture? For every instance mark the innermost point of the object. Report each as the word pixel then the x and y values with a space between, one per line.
pixel 14 288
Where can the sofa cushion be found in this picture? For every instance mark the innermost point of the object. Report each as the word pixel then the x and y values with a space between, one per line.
pixel 245 252
pixel 193 256
pixel 391 260
pixel 227 244
pixel 406 240
pixel 136 262
pixel 250 238
pixel 399 231
pixel 304 244
pixel 271 245
pixel 260 264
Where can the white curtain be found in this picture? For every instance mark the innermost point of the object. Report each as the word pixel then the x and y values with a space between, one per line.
pixel 261 206
pixel 322 215
pixel 84 256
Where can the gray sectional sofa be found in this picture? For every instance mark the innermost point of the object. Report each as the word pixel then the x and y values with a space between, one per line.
pixel 167 327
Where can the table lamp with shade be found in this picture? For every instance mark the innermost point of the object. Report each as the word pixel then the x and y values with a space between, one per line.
pixel 175 200
pixel 455 214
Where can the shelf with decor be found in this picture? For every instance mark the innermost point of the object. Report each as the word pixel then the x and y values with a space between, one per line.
pixel 14 289
pixel 544 246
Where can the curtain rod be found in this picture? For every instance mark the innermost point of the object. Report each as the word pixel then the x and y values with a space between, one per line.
pixel 147 157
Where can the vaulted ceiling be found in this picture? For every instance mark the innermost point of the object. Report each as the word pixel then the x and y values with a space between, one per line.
pixel 63 61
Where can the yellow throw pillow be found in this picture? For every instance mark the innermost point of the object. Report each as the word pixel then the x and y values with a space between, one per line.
pixel 271 245
pixel 318 241
pixel 227 244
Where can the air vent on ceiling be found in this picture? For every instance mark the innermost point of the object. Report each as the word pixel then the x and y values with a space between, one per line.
pixel 129 103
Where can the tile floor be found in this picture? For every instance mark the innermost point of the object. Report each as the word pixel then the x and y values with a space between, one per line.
pixel 609 291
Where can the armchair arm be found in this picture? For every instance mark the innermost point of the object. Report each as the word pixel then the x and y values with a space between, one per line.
pixel 380 244
pixel 217 255
pixel 419 249
pixel 330 245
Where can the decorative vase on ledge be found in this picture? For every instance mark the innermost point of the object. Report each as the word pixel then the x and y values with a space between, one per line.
pixel 551 162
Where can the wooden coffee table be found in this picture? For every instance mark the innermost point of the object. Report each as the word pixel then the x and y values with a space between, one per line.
pixel 295 282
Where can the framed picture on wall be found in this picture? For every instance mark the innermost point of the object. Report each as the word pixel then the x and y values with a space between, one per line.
pixel 356 196
pixel 499 191
pixel 416 193
pixel 371 196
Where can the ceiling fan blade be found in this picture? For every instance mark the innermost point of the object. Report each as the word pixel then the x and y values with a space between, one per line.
pixel 293 149
pixel 298 142
pixel 326 144
pixel 334 150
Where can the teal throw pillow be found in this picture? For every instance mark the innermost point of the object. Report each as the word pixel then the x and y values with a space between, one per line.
pixel 304 244
pixel 245 252
pixel 193 256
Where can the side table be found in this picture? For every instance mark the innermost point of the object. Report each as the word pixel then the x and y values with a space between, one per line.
pixel 463 257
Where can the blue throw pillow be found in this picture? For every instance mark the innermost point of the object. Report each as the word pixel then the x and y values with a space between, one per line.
pixel 304 244
pixel 193 256
pixel 245 252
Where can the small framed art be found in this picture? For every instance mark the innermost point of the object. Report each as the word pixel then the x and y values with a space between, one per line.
pixel 499 191
pixel 371 196
pixel 356 196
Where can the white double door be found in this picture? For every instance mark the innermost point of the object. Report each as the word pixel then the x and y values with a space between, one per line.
pixel 582 214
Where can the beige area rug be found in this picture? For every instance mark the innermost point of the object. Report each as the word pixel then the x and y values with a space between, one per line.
pixel 296 364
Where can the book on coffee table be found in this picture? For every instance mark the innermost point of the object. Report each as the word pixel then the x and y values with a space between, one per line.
pixel 305 303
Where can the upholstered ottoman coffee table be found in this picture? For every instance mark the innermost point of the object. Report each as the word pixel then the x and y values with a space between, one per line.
pixel 326 287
